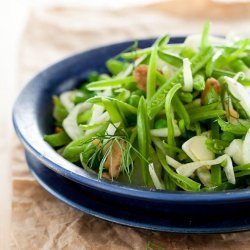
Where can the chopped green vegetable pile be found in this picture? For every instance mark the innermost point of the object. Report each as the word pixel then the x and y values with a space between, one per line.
pixel 171 117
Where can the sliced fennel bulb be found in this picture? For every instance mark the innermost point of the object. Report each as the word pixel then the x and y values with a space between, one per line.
pixel 246 148
pixel 240 93
pixel 235 151
pixel 229 171
pixel 202 168
pixel 101 119
pixel 189 168
pixel 157 183
pixel 197 150
pixel 163 132
pixel 66 99
pixel 204 175
pixel 239 150
pixel 172 162
pixel 70 122
pixel 187 75
pixel 111 129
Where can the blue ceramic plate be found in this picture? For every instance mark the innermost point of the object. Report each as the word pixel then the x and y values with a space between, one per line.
pixel 32 117
pixel 81 198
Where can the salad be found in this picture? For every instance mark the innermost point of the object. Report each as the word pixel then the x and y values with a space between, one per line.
pixel 171 116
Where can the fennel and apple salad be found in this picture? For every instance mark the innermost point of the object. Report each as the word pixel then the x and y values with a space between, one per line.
pixel 171 116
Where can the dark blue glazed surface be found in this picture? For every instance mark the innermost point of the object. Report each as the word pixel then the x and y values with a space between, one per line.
pixel 92 203
pixel 32 119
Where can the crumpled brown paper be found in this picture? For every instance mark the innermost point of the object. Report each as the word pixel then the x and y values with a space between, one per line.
pixel 39 220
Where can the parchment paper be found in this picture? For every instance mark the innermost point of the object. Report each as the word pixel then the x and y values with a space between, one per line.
pixel 39 220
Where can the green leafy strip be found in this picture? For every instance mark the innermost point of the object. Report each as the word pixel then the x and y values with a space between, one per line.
pixel 112 82
pixel 58 139
pixel 170 118
pixel 143 133
pixel 212 114
pixel 197 62
pixel 183 182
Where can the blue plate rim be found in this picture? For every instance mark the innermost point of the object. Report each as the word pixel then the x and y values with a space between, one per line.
pixel 134 224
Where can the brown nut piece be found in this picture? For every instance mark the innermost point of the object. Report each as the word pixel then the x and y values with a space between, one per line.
pixel 113 160
pixel 210 83
pixel 231 114
pixel 140 75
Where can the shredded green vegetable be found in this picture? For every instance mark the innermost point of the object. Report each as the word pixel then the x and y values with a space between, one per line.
pixel 170 116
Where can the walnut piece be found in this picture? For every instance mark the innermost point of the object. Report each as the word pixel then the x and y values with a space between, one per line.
pixel 210 83
pixel 113 160
pixel 140 75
